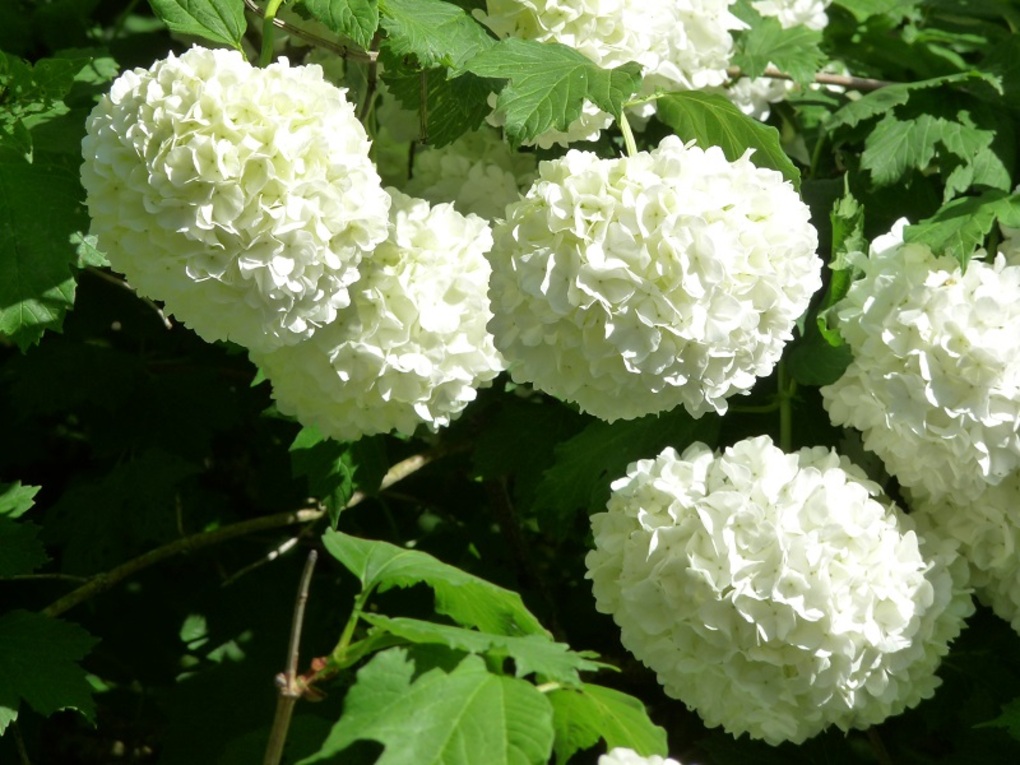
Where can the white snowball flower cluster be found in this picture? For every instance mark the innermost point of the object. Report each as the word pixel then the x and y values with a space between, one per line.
pixel 935 382
pixel 412 347
pixel 680 44
pixel 243 198
pixel 478 173
pixel 623 756
pixel 634 285
pixel 987 530
pixel 776 594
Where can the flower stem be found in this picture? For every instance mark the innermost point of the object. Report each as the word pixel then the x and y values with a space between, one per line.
pixel 628 135
pixel 787 388
pixel 268 32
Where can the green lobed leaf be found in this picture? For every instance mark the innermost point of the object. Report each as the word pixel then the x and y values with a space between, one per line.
pixel 39 665
pixel 582 716
pixel 960 227
pixel 437 33
pixel 357 20
pixel 863 10
pixel 880 102
pixel 794 51
pixel 16 500
pixel 220 21
pixel 897 145
pixel 21 549
pixel 36 255
pixel 468 600
pixel 329 468
pixel 815 360
pixel 98 519
pixel 452 106
pixel 587 463
pixel 465 717
pixel 548 84
pixel 847 219
pixel 1009 719
pixel 537 654
pixel 32 94
pixel 710 119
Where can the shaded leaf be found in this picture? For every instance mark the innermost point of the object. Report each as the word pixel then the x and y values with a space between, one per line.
pixel 442 718
pixel 452 107
pixel 468 600
pixel 354 19
pixel 39 665
pixel 36 255
pixel 531 653
pixel 583 716
pixel 587 463
pixel 710 119
pixel 548 84
pixel 1009 719
pixel 863 10
pixel 221 21
pixel 897 145
pixel 329 467
pixel 881 101
pixel 21 550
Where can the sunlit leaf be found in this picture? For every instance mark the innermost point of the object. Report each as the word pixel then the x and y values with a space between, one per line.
pixel 530 653
pixel 442 718
pixel 468 600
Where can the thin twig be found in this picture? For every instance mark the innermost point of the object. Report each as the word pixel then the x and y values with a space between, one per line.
pixel 19 744
pixel 124 285
pixel 105 581
pixel 878 747
pixel 43 577
pixel 822 78
pixel 290 689
pixel 321 42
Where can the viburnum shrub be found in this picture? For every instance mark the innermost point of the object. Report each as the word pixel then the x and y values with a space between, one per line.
pixel 645 376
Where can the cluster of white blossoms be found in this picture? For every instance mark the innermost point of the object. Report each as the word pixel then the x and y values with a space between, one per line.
pixel 634 285
pixel 479 173
pixel 987 530
pixel 623 756
pixel 776 594
pixel 412 347
pixel 934 385
pixel 679 44
pixel 242 198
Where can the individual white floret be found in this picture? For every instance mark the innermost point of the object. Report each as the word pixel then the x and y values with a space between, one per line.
pixel 635 285
pixel 412 347
pixel 776 594
pixel 934 386
pixel 679 44
pixel 795 13
pixel 623 756
pixel 243 198
pixel 478 173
